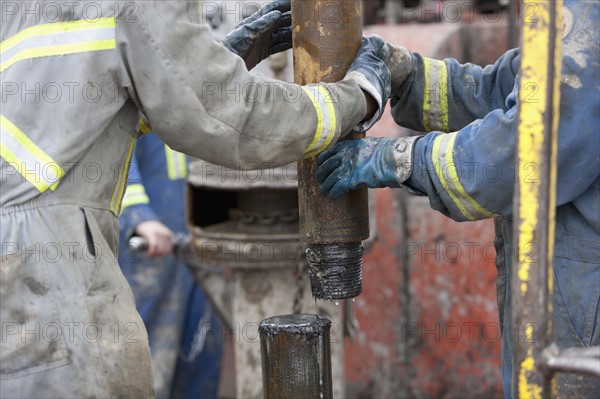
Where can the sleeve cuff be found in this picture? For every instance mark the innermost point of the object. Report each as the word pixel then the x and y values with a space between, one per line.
pixel 365 85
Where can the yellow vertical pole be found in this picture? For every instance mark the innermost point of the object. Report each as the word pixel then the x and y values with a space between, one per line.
pixel 535 198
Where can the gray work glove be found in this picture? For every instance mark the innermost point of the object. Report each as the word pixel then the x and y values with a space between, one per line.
pixel 399 61
pixel 372 76
pixel 266 32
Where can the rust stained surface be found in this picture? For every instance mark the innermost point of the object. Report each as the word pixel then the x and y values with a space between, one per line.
pixel 327 36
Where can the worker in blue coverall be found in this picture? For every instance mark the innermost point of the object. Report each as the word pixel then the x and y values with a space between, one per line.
pixel 183 331
pixel 470 116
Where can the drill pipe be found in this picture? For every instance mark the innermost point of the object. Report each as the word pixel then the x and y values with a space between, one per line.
pixel 296 357
pixel 326 37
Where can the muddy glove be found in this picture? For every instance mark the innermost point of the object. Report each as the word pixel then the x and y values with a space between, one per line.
pixel 372 76
pixel 399 61
pixel 266 32
pixel 372 162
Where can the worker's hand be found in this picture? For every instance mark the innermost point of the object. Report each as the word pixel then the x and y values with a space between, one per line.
pixel 372 76
pixel 266 32
pixel 372 162
pixel 158 236
pixel 399 61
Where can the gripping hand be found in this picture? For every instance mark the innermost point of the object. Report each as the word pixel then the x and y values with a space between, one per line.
pixel 372 162
pixel 372 75
pixel 266 32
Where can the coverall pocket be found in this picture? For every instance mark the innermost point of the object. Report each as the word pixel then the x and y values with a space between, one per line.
pixel 106 272
pixel 32 339
pixel 577 292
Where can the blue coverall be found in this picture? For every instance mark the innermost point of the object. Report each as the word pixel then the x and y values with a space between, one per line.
pixel 183 331
pixel 469 174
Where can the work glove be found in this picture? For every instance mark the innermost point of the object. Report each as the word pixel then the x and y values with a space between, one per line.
pixel 267 31
pixel 372 162
pixel 399 61
pixel 372 76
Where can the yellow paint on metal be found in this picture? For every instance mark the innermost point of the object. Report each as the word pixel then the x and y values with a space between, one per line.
pixel 537 34
pixel 529 330
pixel 534 73
pixel 528 390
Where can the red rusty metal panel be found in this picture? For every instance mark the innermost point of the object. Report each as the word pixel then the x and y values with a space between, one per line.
pixel 428 315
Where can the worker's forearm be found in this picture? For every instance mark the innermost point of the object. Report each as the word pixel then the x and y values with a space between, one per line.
pixel 201 100
pixel 447 96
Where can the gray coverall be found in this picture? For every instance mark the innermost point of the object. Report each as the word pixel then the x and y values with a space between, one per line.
pixel 76 78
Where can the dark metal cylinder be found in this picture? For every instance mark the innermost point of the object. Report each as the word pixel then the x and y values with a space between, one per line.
pixel 335 270
pixel 296 357
pixel 327 35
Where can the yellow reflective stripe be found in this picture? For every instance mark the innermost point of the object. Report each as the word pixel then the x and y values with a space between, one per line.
pixel 59 27
pixel 441 177
pixel 115 201
pixel 319 130
pixel 51 40
pixel 332 123
pixel 176 164
pixel 27 158
pixel 134 195
pixel 143 127
pixel 435 95
pixel 326 120
pixel 62 49
pixel 443 159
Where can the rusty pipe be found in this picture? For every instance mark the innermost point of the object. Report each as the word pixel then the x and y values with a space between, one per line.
pixel 326 37
pixel 296 357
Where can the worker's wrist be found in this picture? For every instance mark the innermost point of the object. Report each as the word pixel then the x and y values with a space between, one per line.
pixel 375 104
pixel 372 107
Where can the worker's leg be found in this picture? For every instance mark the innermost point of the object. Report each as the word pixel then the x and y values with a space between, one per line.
pixel 69 324
pixel 199 365
pixel 576 308
pixel 502 243
pixel 161 294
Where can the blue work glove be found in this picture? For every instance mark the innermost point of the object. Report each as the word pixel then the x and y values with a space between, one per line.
pixel 372 162
pixel 399 61
pixel 372 75
pixel 267 31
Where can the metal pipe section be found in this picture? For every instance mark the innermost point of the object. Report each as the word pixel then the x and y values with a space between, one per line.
pixel 572 360
pixel 326 36
pixel 296 360
pixel 535 199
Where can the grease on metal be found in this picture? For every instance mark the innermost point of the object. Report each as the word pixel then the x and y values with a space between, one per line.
pixel 335 270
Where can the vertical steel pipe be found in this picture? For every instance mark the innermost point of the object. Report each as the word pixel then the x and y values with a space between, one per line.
pixel 327 35
pixel 535 198
pixel 296 358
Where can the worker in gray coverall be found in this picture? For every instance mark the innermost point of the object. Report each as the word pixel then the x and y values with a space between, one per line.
pixel 76 79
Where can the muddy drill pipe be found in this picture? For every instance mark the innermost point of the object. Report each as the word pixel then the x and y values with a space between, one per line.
pixel 326 37
pixel 296 359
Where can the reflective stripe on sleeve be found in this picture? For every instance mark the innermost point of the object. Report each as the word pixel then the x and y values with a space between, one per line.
pixel 115 201
pixel 445 169
pixel 134 195
pixel 59 38
pixel 435 96
pixel 176 164
pixel 326 120
pixel 37 167
pixel 143 127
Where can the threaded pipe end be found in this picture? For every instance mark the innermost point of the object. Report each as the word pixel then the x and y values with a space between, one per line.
pixel 335 270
